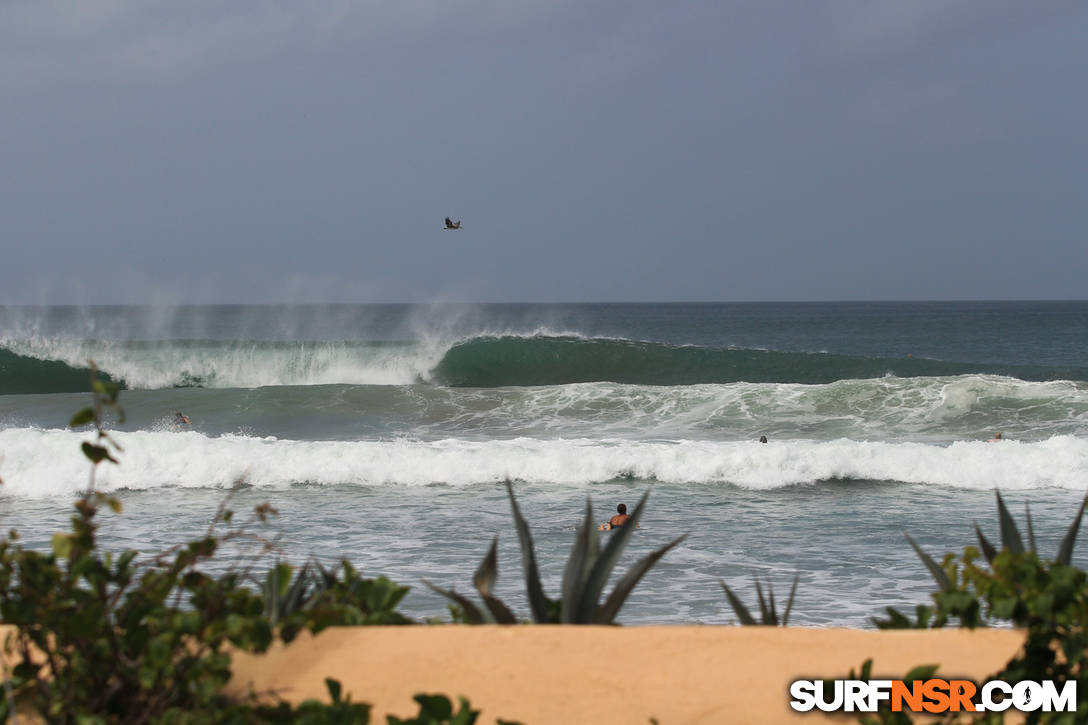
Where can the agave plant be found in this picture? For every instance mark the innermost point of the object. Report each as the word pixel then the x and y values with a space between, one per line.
pixel 317 597
pixel 584 578
pixel 1010 539
pixel 283 594
pixel 768 615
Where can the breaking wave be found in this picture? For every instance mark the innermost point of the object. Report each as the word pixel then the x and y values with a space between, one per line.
pixel 46 463
pixel 486 361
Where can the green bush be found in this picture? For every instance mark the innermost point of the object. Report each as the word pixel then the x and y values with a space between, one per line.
pixel 1048 598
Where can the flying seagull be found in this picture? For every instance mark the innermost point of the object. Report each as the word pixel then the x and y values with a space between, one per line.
pixel 451 225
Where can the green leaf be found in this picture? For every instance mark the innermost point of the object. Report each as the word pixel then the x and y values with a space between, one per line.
pixel 742 612
pixel 1031 530
pixel 602 567
pixel 488 571
pixel 625 585
pixel 921 672
pixel 83 417
pixel 484 580
pixel 538 603
pixel 938 573
pixel 988 549
pixel 97 454
pixel 62 545
pixel 1010 535
pixel 106 388
pixel 438 707
pixel 334 689
pixel 789 602
pixel 579 563
pixel 1065 550
pixel 766 614
pixel 472 612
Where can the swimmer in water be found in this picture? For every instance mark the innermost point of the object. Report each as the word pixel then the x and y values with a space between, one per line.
pixel 617 521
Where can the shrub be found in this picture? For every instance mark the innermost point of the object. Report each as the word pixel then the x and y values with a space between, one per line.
pixel 1047 598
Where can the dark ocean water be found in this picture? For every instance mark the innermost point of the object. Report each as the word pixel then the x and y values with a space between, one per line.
pixel 384 433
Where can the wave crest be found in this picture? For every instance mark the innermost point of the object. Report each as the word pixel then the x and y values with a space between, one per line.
pixel 483 361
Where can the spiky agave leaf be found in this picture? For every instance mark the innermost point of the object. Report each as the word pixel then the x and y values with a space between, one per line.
pixel 276 585
pixel 1065 550
pixel 789 602
pixel 488 571
pixel 295 598
pixel 583 555
pixel 938 573
pixel 1031 529
pixel 484 580
pixel 742 612
pixel 766 616
pixel 326 578
pixel 988 549
pixel 538 603
pixel 590 596
pixel 1010 535
pixel 607 613
pixel 472 612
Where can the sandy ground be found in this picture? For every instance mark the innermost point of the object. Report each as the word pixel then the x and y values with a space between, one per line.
pixel 551 675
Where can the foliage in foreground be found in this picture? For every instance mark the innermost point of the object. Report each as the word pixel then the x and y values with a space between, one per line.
pixel 316 598
pixel 1046 597
pixel 584 578
pixel 104 638
pixel 768 615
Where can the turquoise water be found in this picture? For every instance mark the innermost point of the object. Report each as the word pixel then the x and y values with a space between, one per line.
pixel 384 433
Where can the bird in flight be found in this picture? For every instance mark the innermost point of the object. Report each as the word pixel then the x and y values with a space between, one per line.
pixel 452 225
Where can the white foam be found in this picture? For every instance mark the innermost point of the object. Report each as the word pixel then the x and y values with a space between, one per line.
pixel 47 463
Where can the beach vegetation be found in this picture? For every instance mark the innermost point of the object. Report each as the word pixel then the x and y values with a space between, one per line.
pixel 96 637
pixel 768 614
pixel 438 710
pixel 588 569
pixel 884 714
pixel 314 598
pixel 1047 598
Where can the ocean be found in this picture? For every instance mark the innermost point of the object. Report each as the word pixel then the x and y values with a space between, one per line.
pixel 385 434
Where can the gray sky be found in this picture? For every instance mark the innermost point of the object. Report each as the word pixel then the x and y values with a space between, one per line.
pixel 271 151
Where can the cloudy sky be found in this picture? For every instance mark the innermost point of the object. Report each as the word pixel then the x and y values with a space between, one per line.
pixel 597 150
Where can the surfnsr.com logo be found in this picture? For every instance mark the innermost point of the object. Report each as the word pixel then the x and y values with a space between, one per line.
pixel 932 695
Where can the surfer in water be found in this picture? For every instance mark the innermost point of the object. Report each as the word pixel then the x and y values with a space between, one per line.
pixel 453 225
pixel 617 521
pixel 180 419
